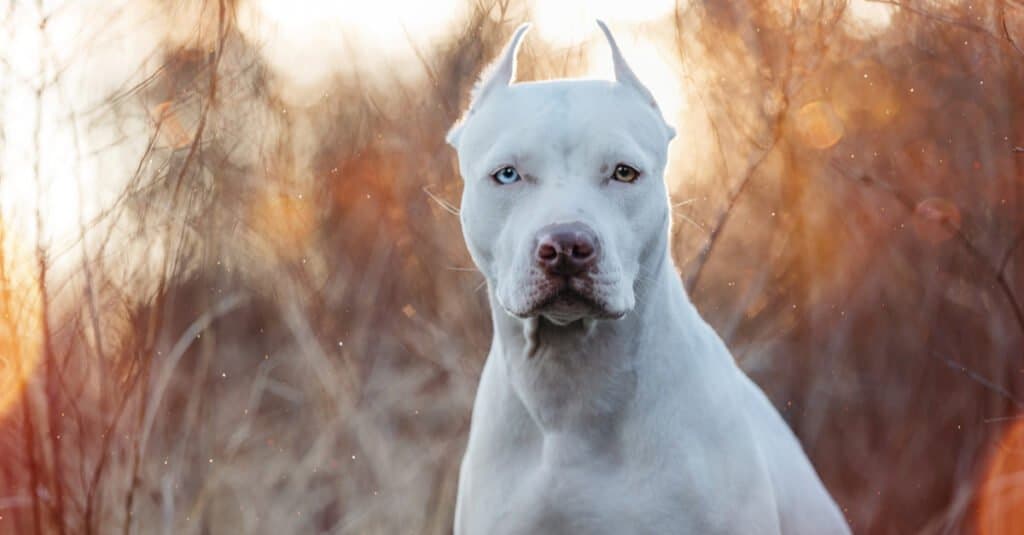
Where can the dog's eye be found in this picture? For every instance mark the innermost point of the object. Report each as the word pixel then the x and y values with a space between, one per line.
pixel 506 175
pixel 625 173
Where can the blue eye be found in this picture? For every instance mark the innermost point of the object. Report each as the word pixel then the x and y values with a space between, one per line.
pixel 506 175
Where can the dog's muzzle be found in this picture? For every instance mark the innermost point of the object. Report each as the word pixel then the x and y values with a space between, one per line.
pixel 567 255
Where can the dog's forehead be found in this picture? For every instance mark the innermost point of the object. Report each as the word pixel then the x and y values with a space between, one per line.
pixel 566 108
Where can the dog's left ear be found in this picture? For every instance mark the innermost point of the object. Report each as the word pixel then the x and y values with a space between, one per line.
pixel 498 75
pixel 625 75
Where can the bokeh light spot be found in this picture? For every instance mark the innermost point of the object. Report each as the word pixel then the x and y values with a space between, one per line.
pixel 936 220
pixel 818 125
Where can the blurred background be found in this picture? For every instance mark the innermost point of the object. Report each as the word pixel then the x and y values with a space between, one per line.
pixel 234 296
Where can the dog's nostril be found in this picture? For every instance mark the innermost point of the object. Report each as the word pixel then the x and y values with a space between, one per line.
pixel 582 249
pixel 546 251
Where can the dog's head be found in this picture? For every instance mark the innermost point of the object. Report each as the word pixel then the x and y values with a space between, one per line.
pixel 564 203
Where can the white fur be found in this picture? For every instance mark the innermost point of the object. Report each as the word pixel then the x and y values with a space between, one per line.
pixel 629 416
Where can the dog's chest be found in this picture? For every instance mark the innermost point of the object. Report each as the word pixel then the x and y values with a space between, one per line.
pixel 545 498
pixel 592 494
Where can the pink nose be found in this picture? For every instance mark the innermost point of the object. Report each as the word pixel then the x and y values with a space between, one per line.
pixel 566 249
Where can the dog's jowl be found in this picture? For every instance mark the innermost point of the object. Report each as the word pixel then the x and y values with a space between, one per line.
pixel 607 405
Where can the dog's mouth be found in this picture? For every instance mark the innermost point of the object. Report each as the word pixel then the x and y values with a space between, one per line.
pixel 564 300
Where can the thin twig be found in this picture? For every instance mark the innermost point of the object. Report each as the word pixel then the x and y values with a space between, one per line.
pixel 976 377
pixel 723 218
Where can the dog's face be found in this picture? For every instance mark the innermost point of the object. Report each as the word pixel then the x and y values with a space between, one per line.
pixel 564 201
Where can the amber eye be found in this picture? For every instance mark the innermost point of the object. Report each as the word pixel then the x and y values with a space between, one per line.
pixel 625 173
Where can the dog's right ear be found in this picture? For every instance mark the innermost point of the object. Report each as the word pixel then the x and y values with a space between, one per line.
pixel 499 74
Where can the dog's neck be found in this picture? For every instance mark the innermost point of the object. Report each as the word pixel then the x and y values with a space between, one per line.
pixel 579 378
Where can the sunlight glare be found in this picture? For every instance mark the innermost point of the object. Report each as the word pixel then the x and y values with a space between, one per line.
pixel 570 22
pixel 321 38
pixel 48 163
pixel 865 18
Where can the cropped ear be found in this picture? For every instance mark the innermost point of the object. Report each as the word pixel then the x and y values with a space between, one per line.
pixel 625 75
pixel 499 74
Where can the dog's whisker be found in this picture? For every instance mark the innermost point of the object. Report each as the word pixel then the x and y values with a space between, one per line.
pixel 686 218
pixel 465 269
pixel 445 205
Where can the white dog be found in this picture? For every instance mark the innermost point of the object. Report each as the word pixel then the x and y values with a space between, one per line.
pixel 607 404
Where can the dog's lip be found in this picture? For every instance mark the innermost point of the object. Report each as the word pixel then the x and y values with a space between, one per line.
pixel 562 294
pixel 568 295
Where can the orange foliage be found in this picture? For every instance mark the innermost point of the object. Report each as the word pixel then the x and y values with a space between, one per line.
pixel 19 319
pixel 1001 496
pixel 285 221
